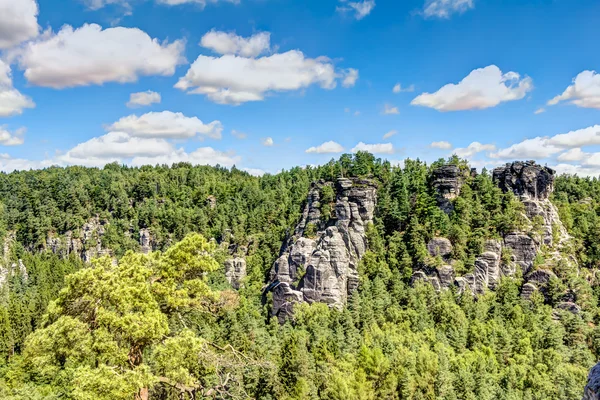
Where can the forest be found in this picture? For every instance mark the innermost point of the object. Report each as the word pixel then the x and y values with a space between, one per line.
pixel 167 324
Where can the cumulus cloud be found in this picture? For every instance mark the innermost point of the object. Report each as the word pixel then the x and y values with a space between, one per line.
pixel 167 125
pixel 360 9
pixel 115 146
pixel 482 88
pixel 576 170
pixel 584 92
pixel 18 22
pixel 230 43
pixel 441 145
pixel 200 156
pixel 142 99
pixel 10 164
pixel 389 134
pixel 232 79
pixel 537 147
pixel 350 77
pixel 326 148
pixel 378 148
pixel 124 148
pixel 399 89
pixel 268 141
pixel 543 147
pixel 389 109
pixel 92 55
pixel 8 138
pixel 12 102
pixel 472 149
pixel 445 8
pixel 572 155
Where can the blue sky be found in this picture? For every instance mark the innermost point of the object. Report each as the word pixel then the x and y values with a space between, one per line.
pixel 274 80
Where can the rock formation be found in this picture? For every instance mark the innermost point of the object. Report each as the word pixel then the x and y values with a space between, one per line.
pixel 146 241
pixel 447 180
pixel 533 184
pixel 319 262
pixel 592 389
pixel 235 271
pixel 87 244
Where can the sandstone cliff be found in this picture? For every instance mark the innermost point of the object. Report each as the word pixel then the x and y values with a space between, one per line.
pixel 319 262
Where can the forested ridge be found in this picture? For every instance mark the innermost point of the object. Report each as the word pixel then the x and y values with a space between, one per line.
pixel 168 324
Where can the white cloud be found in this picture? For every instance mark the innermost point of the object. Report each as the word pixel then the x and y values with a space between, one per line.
pixel 90 55
pixel 445 8
pixel 254 171
pixel 540 110
pixel 360 8
pixel 441 145
pixel 572 155
pixel 543 147
pixel 168 125
pixel 326 148
pixel 142 99
pixel 350 77
pixel 115 146
pixel 10 164
pixel 378 148
pixel 576 170
pixel 238 134
pixel 482 88
pixel 535 148
pixel 389 109
pixel 200 156
pixel 399 89
pixel 8 138
pixel 390 134
pixel 584 92
pixel 18 22
pixel 97 4
pixel 472 149
pixel 234 80
pixel 582 137
pixel 230 43
pixel 268 141
pixel 136 151
pixel 12 102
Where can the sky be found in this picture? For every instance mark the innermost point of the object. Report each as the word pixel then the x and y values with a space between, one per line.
pixel 267 85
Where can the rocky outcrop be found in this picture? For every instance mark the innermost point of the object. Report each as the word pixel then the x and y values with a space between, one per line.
pixel 525 178
pixel 447 180
pixel 235 271
pixel 146 241
pixel 592 389
pixel 87 244
pixel 439 246
pixel 319 262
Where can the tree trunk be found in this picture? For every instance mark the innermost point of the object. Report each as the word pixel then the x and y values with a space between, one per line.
pixel 142 395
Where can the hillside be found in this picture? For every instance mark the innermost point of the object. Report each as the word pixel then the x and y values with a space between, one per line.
pixel 352 280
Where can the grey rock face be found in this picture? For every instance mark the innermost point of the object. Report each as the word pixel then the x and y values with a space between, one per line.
pixel 439 247
pixel 592 389
pixel 235 271
pixel 323 268
pixel 523 250
pixel 525 179
pixel 528 290
pixel 447 180
pixel 86 247
pixel 146 241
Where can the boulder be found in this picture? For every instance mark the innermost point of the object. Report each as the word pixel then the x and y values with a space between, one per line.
pixel 528 290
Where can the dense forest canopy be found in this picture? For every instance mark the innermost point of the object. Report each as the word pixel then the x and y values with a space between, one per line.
pixel 167 325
